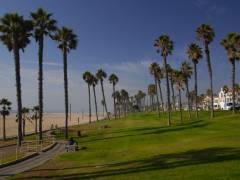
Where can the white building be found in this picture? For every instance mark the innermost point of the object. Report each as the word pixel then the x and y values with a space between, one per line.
pixel 222 101
pixel 225 99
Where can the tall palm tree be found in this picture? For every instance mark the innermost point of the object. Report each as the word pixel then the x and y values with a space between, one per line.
pixel 186 70
pixel 205 34
pixel 15 33
pixel 67 41
pixel 164 46
pixel 231 44
pixel 153 70
pixel 94 83
pixel 88 78
pixel 179 81
pixel 113 79
pixel 5 111
pixel 43 26
pixel 101 75
pixel 195 54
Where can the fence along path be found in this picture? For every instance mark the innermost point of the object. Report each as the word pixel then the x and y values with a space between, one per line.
pixel 32 162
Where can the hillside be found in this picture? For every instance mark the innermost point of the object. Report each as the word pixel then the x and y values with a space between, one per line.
pixel 141 146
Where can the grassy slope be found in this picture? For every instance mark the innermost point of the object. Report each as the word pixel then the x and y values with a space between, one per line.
pixel 143 147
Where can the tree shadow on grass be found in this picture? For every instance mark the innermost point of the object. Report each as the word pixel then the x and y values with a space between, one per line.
pixel 162 161
pixel 151 130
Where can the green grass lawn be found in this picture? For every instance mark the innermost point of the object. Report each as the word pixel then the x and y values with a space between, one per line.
pixel 142 146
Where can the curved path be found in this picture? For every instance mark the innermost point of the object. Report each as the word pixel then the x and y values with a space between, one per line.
pixel 32 162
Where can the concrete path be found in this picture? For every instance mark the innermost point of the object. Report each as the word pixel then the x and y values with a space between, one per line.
pixel 32 162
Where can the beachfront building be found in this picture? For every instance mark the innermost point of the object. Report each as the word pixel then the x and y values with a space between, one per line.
pixel 225 98
pixel 221 101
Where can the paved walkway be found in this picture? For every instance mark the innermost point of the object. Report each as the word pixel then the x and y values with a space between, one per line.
pixel 32 162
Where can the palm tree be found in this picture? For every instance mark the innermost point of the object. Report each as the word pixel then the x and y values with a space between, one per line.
pixel 170 73
pixel 25 112
pixel 179 81
pixel 113 79
pixel 153 70
pixel 159 76
pixel 15 33
pixel 152 92
pixel 101 75
pixel 88 78
pixel 94 83
pixel 186 70
pixel 231 44
pixel 5 111
pixel 205 33
pixel 43 26
pixel 67 41
pixel 195 54
pixel 164 46
pixel 125 97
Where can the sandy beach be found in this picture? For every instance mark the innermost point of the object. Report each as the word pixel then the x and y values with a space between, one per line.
pixel 49 119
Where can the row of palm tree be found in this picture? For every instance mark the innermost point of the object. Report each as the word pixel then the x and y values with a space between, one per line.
pixel 92 80
pixel 179 78
pixel 16 32
pixel 205 34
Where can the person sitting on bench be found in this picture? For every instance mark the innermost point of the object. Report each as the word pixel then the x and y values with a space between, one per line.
pixel 72 143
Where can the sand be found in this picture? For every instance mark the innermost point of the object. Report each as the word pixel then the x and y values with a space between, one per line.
pixel 49 119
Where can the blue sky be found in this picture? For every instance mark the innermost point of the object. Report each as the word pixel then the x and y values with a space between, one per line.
pixel 118 36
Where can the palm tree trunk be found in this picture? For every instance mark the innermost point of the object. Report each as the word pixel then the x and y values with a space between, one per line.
pixel 105 104
pixel 158 104
pixel 188 101
pixel 40 84
pixel 210 76
pixel 65 90
pixel 233 83
pixel 95 100
pixel 173 93
pixel 195 76
pixel 18 89
pixel 114 101
pixel 89 103
pixel 180 104
pixel 168 91
pixel 4 128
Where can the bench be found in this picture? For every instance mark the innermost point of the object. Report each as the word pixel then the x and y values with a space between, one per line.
pixel 71 148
